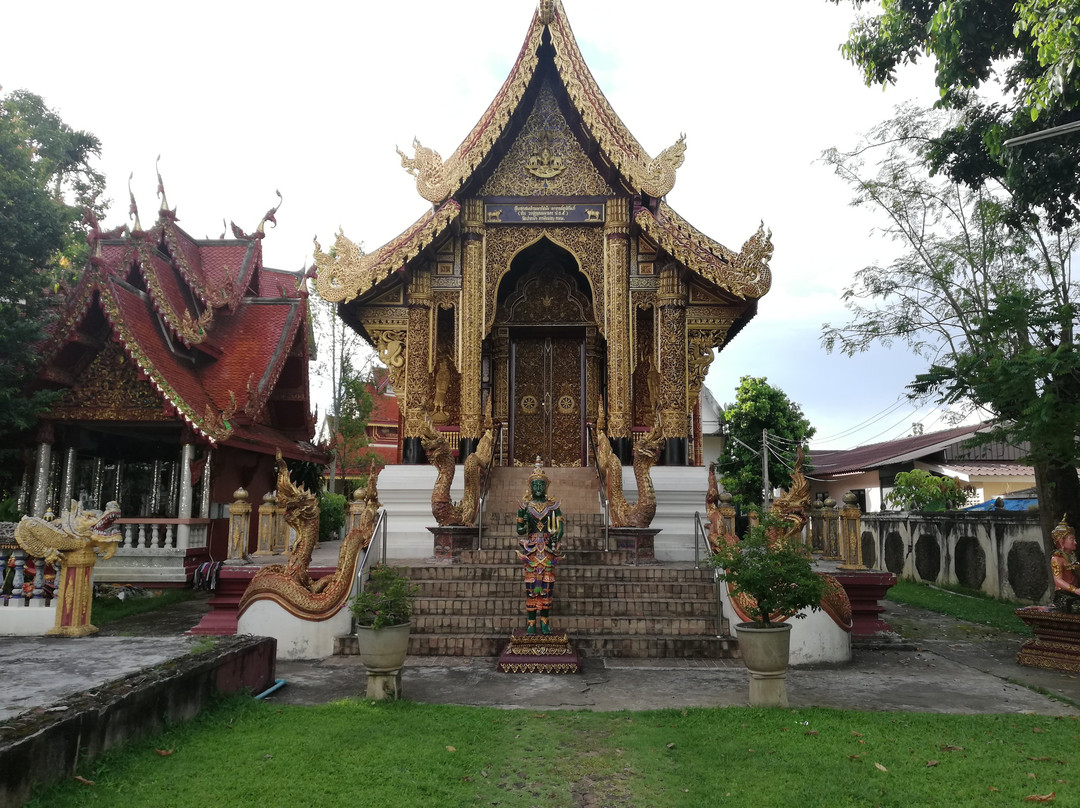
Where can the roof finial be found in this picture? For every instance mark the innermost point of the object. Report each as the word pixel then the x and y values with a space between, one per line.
pixel 269 217
pixel 133 209
pixel 547 11
pixel 161 186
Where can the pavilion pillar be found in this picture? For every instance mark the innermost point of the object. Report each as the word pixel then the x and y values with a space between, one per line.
pixel 672 342
pixel 186 499
pixel 67 487
pixel 473 323
pixel 617 288
pixel 42 469
pixel 418 365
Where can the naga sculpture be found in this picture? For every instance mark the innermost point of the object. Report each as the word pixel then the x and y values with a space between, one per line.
pixel 290 585
pixel 430 171
pixel 659 176
pixel 620 512
pixel 720 515
pixel 75 540
pixel 443 508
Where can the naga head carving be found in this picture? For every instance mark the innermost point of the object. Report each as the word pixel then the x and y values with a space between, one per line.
pixel 300 504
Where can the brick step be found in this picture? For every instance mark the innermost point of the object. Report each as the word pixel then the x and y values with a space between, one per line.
pixel 574 557
pixel 626 646
pixel 566 574
pixel 572 590
pixel 663 607
pixel 575 624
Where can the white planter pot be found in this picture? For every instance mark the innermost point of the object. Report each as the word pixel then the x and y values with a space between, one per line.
pixel 383 650
pixel 765 654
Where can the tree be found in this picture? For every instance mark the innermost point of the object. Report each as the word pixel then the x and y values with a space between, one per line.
pixel 760 406
pixel 351 437
pixel 342 359
pixel 45 180
pixel 987 304
pixel 919 490
pixel 1029 47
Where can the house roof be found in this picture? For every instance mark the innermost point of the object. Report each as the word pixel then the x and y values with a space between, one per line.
pixel 204 323
pixel 346 273
pixel 863 458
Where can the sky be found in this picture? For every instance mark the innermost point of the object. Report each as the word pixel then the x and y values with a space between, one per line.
pixel 242 99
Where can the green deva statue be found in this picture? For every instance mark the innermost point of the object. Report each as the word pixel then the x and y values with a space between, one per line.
pixel 540 521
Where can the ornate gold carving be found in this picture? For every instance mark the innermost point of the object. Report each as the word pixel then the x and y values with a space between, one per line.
pixel 472 317
pixel 430 172
pixel 619 347
pixel 672 344
pixel 745 274
pixel 646 453
pixel 417 372
pixel 546 159
pixel 545 295
pixel 74 540
pixel 347 272
pixel 477 465
pixel 290 585
pixel 699 356
pixel 504 243
pixel 529 405
pixel 111 389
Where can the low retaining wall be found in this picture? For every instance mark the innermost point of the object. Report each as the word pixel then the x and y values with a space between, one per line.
pixel 40 748
pixel 1000 553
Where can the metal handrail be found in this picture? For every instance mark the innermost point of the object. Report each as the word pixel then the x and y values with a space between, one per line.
pixel 484 489
pixel 601 487
pixel 380 529
pixel 701 534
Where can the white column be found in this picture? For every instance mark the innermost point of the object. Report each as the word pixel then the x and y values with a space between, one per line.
pixel 41 478
pixel 67 490
pixel 183 532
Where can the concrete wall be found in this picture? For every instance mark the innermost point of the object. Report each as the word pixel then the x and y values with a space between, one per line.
pixel 1000 553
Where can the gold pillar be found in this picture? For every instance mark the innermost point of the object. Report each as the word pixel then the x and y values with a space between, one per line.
pixel 672 342
pixel 850 538
pixel 418 355
pixel 472 318
pixel 267 525
pixel 832 531
pixel 239 525
pixel 617 288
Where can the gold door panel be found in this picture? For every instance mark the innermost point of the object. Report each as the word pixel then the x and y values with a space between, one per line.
pixel 546 400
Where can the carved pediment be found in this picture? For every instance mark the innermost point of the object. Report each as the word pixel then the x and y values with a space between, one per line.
pixel 111 389
pixel 546 295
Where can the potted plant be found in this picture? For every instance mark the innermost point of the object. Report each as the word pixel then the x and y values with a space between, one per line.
pixel 382 611
pixel 772 570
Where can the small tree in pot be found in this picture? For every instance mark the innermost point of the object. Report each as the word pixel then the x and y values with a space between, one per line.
pixel 382 611
pixel 773 572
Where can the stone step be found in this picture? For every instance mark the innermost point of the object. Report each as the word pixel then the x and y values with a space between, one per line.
pixel 627 646
pixel 574 557
pixel 509 604
pixel 566 574
pixel 575 624
pixel 572 590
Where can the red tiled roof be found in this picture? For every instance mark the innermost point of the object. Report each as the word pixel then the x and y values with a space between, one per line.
pixel 862 458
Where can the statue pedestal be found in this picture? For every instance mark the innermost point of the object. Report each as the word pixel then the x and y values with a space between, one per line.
pixel 1056 645
pixel 638 541
pixel 539 653
pixel 865 589
pixel 451 540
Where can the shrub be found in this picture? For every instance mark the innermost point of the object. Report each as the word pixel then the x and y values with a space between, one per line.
pixel 331 516
pixel 387 599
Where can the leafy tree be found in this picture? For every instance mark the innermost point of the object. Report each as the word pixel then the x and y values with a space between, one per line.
pixel 1029 48
pixel 342 359
pixel 988 305
pixel 45 179
pixel 920 490
pixel 760 406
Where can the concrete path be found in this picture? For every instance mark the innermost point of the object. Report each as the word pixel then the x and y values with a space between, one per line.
pixel 937 665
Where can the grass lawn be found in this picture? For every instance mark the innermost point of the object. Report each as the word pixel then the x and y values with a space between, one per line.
pixel 105 610
pixel 356 753
pixel 963 604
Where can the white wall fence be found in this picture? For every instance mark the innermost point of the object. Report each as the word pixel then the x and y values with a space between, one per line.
pixel 998 552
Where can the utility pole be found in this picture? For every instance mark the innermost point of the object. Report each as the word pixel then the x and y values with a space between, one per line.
pixel 765 469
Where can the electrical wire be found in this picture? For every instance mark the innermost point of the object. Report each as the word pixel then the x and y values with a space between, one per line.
pixel 900 400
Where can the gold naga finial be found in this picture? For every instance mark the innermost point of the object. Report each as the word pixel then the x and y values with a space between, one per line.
pixel 269 217
pixel 133 208
pixel 660 172
pixel 164 208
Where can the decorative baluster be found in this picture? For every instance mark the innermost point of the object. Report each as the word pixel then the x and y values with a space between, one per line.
pixel 170 536
pixel 5 554
pixel 38 598
pixel 155 536
pixel 17 579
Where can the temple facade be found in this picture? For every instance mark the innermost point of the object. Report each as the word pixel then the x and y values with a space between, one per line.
pixel 180 367
pixel 549 276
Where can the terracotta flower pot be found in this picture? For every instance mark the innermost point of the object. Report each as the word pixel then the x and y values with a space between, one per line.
pixel 765 654
pixel 383 650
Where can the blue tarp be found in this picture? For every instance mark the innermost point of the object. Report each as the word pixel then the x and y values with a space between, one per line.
pixel 1010 505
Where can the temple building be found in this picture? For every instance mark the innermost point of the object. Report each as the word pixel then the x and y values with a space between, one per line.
pixel 550 276
pixel 181 367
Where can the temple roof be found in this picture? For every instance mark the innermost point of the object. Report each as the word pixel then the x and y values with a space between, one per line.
pixel 347 273
pixel 208 327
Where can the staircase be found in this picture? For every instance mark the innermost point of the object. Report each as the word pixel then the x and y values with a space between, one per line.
pixel 610 607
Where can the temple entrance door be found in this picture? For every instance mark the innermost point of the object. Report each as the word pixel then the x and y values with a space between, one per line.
pixel 547 384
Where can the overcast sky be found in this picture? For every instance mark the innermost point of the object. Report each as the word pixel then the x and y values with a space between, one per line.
pixel 241 99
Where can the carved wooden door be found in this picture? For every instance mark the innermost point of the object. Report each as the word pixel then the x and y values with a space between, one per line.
pixel 546 403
